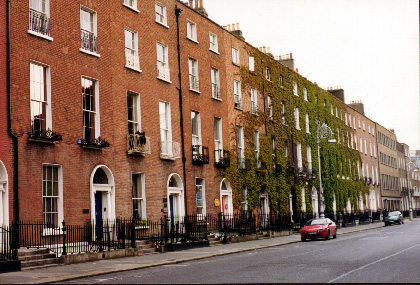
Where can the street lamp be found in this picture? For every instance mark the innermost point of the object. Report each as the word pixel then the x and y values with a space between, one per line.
pixel 322 132
pixel 410 165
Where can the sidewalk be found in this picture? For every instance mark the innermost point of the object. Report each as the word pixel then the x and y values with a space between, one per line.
pixel 73 271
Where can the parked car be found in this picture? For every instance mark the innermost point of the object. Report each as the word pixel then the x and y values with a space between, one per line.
pixel 318 228
pixel 394 217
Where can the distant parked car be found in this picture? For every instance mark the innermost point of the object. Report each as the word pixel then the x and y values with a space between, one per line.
pixel 318 228
pixel 394 217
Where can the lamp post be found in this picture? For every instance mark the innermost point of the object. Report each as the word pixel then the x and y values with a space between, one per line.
pixel 410 165
pixel 322 132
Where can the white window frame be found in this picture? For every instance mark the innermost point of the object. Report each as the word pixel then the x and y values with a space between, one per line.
pixel 59 199
pixel 162 62
pixel 283 112
pixel 192 31
pixel 307 123
pixel 297 118
pixel 193 74
pixel 295 89
pixel 299 155
pixel 270 107
pixel 132 6
pixel 165 129
pixel 202 187
pixel 160 14
pixel 251 63
pixel 214 43
pixel 142 192
pixel 365 147
pixel 40 18
pixel 305 94
pixel 132 60
pixel 44 86
pixel 218 138
pixel 257 147
pixel 268 73
pixel 95 112
pixel 136 113
pixel 196 137
pixel 235 56
pixel 237 93
pixel 309 157
pixel 254 101
pixel 240 145
pixel 93 29
pixel 361 144
pixel 215 83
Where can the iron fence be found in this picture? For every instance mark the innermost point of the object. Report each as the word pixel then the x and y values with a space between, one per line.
pixel 7 251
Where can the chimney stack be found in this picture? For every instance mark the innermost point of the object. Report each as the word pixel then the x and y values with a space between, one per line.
pixel 198 7
pixel 236 31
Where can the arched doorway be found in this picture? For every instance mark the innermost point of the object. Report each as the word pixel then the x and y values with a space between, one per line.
pixel 102 194
pixel 226 205
pixel 4 196
pixel 175 196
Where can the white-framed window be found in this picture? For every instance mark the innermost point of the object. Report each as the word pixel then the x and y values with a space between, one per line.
pixel 235 56
pixel 191 31
pixel 368 128
pixel 361 145
pixel 214 44
pixel 307 123
pixel 165 128
pixel 193 73
pixel 370 149
pixel 138 196
pixel 40 88
pixel 254 101
pixel 237 94
pixel 244 201
pixel 373 131
pixel 200 196
pixel 283 112
pixel 355 141
pixel 90 107
pixel 281 81
pixel 286 149
pixel 299 155
pixel 354 122
pixel 163 71
pixel 52 196
pixel 350 121
pixel 297 118
pixel 295 89
pixel 336 111
pixel 332 110
pixel 364 126
pixel 39 18
pixel 132 60
pixel 268 73
pixel 358 120
pixel 270 107
pixel 196 128
pixel 305 94
pixel 88 29
pixel 365 147
pixel 160 11
pixel 374 150
pixel 345 118
pixel 309 157
pixel 241 146
pixel 218 140
pixel 132 4
pixel 251 63
pixel 257 147
pixel 133 112
pixel 215 83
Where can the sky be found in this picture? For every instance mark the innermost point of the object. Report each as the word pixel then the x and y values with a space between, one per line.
pixel 370 48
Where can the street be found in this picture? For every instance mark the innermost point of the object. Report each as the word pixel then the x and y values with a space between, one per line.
pixel 387 254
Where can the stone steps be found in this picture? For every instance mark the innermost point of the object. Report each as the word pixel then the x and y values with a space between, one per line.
pixel 37 258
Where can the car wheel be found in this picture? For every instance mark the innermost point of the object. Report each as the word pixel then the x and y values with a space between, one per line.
pixel 402 222
pixel 328 235
pixel 386 224
pixel 303 239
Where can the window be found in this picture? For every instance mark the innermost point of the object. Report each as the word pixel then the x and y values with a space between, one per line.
pixel 354 122
pixel 133 111
pixel 283 112
pixel 361 145
pixel 39 18
pixel 131 50
pixel 370 148
pixel 160 10
pixel 295 89
pixel 254 101
pixel 363 124
pixel 235 56
pixel 273 150
pixel 374 150
pixel 52 196
pixel 244 201
pixel 40 86
pixel 131 4
pixel 299 154
pixel 218 141
pixel 200 196
pixel 358 120
pixel 305 94
pixel 237 94
pixel 350 121
pixel 336 111
pixel 297 118
pixel 281 81
pixel 251 63
pixel 90 105
pixel 214 45
pixel 191 31
pixel 165 128
pixel 89 37
pixel 162 62
pixel 268 73
pixel 307 123
pixel 193 70
pixel 345 119
pixel 215 83
pixel 270 107
pixel 257 147
pixel 138 196
pixel 368 128
pixel 309 158
pixel 241 153
pixel 286 147
pixel 332 109
pixel 365 147
pixel 196 128
pixel 355 142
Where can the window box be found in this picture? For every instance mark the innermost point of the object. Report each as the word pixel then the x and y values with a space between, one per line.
pixel 138 144
pixel 200 154
pixel 97 143
pixel 44 136
pixel 170 150
pixel 222 158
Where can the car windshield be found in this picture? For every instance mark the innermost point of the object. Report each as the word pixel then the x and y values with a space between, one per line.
pixel 316 222
pixel 393 214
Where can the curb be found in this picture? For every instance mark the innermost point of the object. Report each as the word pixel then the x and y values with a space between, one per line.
pixel 181 260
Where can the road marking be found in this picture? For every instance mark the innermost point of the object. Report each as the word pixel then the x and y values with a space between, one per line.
pixel 369 264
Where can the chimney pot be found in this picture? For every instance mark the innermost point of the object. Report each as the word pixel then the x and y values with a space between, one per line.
pixel 233 27
pixel 268 50
pixel 264 49
pixel 201 4
pixel 196 4
pixel 228 27
pixel 237 26
pixel 190 3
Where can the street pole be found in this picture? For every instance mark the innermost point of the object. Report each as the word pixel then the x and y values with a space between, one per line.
pixel 410 206
pixel 320 206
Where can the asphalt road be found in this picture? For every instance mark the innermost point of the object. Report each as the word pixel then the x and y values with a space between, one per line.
pixel 383 255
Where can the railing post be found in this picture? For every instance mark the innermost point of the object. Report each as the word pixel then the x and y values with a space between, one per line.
pixel 64 239
pixel 133 234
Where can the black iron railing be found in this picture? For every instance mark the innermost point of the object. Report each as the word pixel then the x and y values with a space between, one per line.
pixel 200 154
pixel 39 22
pixel 7 248
pixel 94 143
pixel 222 158
pixel 44 135
pixel 89 41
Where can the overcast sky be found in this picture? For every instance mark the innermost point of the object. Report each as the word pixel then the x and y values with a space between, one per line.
pixel 368 47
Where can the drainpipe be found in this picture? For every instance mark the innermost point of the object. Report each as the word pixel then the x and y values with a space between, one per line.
pixel 263 91
pixel 177 14
pixel 9 122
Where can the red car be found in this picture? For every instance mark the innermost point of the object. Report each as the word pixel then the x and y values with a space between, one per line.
pixel 318 228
